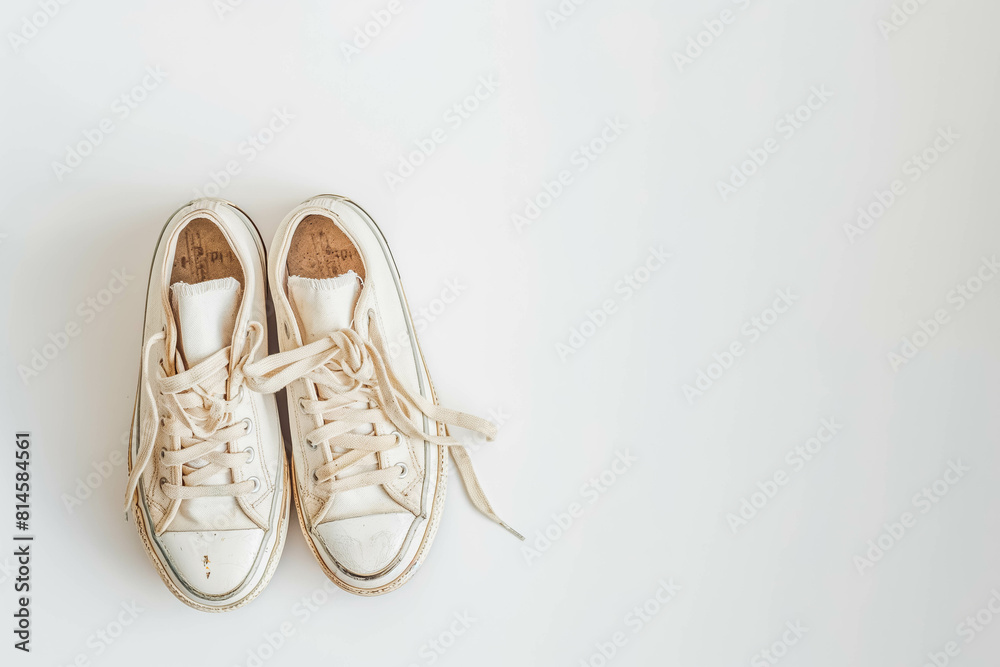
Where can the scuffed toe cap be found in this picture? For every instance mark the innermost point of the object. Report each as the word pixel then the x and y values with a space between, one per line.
pixel 213 563
pixel 365 545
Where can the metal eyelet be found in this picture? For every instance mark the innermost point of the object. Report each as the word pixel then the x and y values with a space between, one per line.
pixel 399 438
pixel 163 480
pixel 301 407
pixel 239 395
pixel 403 470
pixel 163 453
pixel 310 444
pixel 249 450
pixel 256 484
pixel 249 425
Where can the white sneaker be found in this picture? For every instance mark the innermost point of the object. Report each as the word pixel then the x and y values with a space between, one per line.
pixel 208 480
pixel 368 440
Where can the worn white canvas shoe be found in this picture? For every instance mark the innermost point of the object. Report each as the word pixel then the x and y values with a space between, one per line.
pixel 208 481
pixel 368 440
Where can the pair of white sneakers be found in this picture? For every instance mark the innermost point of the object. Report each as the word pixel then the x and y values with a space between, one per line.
pixel 209 483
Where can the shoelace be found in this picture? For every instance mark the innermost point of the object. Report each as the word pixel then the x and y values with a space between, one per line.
pixel 357 388
pixel 195 413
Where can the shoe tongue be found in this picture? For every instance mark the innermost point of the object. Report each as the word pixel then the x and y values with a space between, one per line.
pixel 206 315
pixel 324 305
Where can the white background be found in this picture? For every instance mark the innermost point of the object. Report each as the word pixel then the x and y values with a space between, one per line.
pixel 495 347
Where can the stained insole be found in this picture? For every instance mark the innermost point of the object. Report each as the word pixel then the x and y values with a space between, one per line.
pixel 319 249
pixel 203 253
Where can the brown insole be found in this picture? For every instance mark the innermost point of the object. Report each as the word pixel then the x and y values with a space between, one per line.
pixel 203 253
pixel 319 249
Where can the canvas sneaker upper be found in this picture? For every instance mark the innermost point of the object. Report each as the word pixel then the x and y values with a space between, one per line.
pixel 207 466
